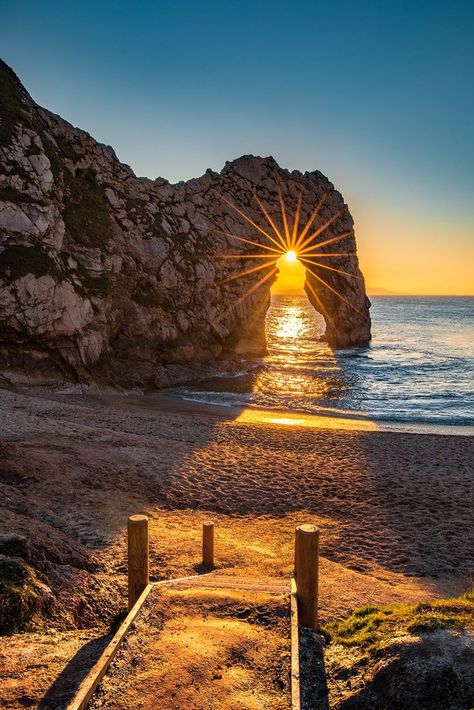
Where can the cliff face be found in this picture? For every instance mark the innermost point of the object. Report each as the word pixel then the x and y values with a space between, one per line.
pixel 106 275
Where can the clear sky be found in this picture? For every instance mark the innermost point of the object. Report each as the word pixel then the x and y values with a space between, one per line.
pixel 377 95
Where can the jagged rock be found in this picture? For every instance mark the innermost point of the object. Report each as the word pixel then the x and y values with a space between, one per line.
pixel 47 308
pixel 103 274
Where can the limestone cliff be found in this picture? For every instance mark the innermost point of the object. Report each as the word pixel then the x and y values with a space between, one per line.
pixel 104 275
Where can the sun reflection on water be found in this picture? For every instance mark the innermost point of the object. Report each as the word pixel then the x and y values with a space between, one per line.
pixel 295 353
pixel 290 324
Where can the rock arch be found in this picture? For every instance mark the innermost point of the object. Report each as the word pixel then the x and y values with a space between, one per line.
pixel 104 275
pixel 341 299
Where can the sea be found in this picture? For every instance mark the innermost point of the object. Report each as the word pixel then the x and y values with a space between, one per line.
pixel 418 368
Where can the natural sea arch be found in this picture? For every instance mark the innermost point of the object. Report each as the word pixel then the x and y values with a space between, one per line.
pixel 313 244
pixel 110 277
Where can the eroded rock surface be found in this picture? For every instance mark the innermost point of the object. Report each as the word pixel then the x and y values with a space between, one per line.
pixel 104 275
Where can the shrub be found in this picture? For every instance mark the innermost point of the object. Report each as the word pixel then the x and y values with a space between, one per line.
pixel 86 214
pixel 12 110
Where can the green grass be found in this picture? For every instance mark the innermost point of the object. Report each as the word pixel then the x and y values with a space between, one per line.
pixel 370 626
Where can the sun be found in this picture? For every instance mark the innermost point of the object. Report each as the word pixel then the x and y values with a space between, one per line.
pixel 293 245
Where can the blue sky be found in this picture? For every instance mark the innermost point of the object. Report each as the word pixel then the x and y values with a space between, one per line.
pixel 377 95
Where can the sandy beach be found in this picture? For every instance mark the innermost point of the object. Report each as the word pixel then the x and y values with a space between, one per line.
pixel 394 509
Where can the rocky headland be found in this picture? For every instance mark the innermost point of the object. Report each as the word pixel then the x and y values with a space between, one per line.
pixel 108 277
pixel 130 282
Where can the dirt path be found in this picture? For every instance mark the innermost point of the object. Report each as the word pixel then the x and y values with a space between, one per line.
pixel 394 512
pixel 203 648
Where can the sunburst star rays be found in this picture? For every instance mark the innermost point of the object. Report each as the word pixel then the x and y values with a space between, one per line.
pixel 270 221
pixel 335 291
pixel 245 272
pixel 296 221
pixel 249 241
pixel 284 217
pixel 256 286
pixel 250 221
pixel 318 246
pixel 310 221
pixel 305 243
pixel 330 268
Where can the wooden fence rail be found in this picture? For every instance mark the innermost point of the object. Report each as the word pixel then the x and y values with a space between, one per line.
pixel 303 596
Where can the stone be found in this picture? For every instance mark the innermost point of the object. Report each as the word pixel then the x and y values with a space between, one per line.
pixel 111 264
pixel 14 219
pixel 48 308
pixel 40 163
pixel 112 197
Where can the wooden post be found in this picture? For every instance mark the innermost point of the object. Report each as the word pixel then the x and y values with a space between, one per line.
pixel 138 565
pixel 208 544
pixel 295 649
pixel 306 574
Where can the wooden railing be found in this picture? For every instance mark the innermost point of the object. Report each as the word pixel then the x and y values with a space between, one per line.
pixel 303 597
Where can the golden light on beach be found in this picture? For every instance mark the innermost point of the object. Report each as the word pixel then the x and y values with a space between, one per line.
pixel 312 421
pixel 287 245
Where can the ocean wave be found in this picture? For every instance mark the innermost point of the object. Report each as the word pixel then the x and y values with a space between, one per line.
pixel 418 367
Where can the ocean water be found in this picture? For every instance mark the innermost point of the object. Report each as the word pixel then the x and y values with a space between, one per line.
pixel 419 366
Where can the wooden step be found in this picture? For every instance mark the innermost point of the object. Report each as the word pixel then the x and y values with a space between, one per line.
pixel 269 585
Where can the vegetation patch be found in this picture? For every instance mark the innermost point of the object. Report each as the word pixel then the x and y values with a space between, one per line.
pixel 12 110
pixel 136 209
pixel 86 215
pixel 57 154
pixel 370 626
pixel 147 299
pixel 66 149
pixel 19 260
pixel 21 595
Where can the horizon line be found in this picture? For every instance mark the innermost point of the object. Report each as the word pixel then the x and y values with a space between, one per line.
pixel 389 293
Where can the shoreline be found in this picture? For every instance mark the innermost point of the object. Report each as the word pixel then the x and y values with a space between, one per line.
pixel 162 401
pixel 393 508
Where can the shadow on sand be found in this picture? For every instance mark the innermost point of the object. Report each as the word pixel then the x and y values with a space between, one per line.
pixel 313 681
pixel 62 691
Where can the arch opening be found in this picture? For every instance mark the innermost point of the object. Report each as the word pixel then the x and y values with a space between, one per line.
pixel 291 317
pixel 298 367
pixel 298 255
pixel 291 275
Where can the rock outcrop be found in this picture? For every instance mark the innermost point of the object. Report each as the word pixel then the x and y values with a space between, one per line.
pixel 104 275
